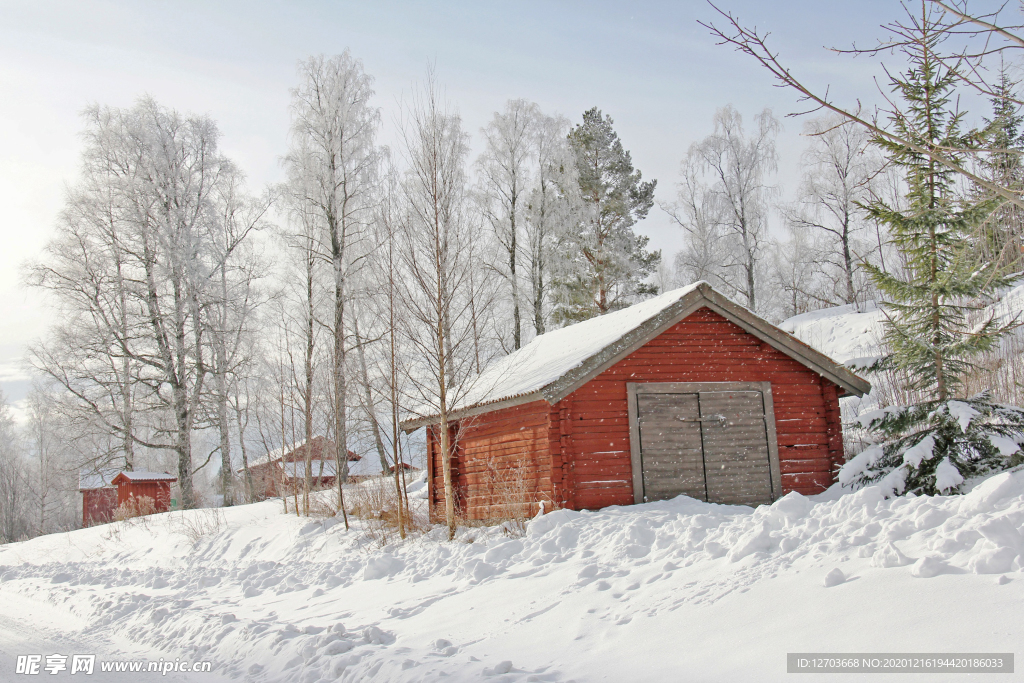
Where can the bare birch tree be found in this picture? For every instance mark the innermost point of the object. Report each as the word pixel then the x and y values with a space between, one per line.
pixel 979 37
pixel 732 186
pixel 332 162
pixel 840 168
pixel 436 267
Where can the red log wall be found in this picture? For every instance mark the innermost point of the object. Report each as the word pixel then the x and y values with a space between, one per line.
pixel 499 457
pixel 159 491
pixel 98 506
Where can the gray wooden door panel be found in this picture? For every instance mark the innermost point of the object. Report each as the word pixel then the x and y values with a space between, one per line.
pixel 710 444
pixel 673 461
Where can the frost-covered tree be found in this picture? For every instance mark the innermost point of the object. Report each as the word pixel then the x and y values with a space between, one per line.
pixel 231 313
pixel 726 185
pixel 307 292
pixel 14 479
pixel 796 273
pixel 603 262
pixel 521 169
pixel 133 270
pixel 505 169
pixel 549 211
pixel 840 166
pixel 700 215
pixel 933 327
pixel 332 165
pixel 53 479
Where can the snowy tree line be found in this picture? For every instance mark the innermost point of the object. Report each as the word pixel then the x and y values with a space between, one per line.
pixel 201 325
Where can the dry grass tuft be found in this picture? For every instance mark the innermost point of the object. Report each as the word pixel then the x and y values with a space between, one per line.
pixel 375 501
pixel 513 498
pixel 132 508
pixel 197 524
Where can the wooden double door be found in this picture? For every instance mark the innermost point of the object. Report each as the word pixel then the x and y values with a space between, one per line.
pixel 713 441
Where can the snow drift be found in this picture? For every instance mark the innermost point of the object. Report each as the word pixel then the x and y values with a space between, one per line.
pixel 675 590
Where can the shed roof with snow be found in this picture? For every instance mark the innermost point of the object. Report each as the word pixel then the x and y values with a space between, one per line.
pixel 143 477
pixel 554 364
pixel 687 393
pixel 89 480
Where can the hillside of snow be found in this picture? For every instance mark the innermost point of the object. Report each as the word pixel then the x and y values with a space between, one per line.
pixel 847 334
pixel 852 334
pixel 673 590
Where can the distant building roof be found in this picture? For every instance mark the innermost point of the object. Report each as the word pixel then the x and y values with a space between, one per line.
pixel 321 448
pixel 89 480
pixel 143 476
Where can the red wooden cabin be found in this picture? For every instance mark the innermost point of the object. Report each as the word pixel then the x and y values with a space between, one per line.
pixel 99 496
pixel 686 393
pixel 277 474
pixel 132 486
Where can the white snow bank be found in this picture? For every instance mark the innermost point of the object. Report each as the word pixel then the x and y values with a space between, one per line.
pixel 846 334
pixel 660 589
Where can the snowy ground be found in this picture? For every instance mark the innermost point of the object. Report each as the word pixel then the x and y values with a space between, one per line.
pixel 668 591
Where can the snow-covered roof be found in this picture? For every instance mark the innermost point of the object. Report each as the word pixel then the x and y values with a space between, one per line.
pixel 273 455
pixel 146 476
pixel 321 447
pixel 556 363
pixel 297 469
pixel 96 479
pixel 359 468
pixel 551 355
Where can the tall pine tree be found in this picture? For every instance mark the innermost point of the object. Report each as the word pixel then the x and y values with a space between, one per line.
pixel 932 326
pixel 1000 237
pixel 604 263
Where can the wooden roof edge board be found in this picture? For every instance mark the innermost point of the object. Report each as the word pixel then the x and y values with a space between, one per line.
pixel 700 297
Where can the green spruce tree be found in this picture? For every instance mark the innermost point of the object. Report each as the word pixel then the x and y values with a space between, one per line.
pixel 604 262
pixel 1000 238
pixel 932 325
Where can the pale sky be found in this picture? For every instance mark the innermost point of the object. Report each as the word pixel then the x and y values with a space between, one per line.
pixel 649 65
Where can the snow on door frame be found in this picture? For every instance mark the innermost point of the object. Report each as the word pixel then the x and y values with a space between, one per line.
pixel 633 388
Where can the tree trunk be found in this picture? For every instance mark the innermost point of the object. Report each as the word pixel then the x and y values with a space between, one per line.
pixel 307 394
pixel 513 251
pixel 340 430
pixel 371 414
pixel 226 478
pixel 249 493
pixel 851 293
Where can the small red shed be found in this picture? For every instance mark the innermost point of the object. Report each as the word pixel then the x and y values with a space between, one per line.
pixel 275 474
pixel 685 393
pixel 99 496
pixel 132 486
